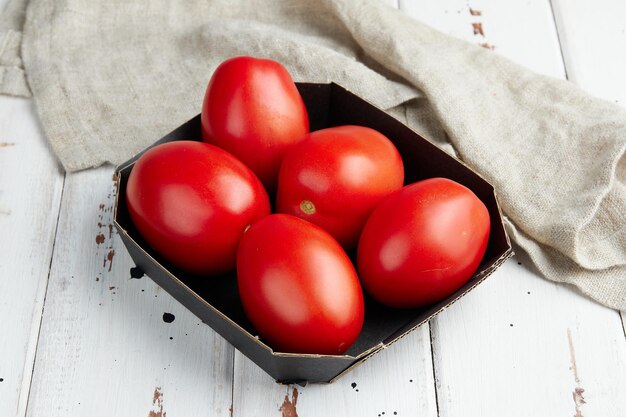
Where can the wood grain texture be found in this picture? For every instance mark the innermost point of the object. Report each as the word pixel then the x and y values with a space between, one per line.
pixel 30 193
pixel 513 347
pixel 398 381
pixel 593 40
pixel 105 346
pixel 523 346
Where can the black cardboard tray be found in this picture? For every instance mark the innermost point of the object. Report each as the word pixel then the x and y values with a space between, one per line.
pixel 215 300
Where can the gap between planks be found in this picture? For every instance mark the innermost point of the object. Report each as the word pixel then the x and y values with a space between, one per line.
pixel 558 37
pixel 43 305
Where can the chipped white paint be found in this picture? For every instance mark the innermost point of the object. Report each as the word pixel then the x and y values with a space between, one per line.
pixel 523 31
pixel 517 346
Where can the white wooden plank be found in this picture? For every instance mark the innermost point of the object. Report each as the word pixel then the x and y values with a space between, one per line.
pixel 510 342
pixel 30 194
pixel 593 40
pixel 104 347
pixel 505 349
pixel 397 381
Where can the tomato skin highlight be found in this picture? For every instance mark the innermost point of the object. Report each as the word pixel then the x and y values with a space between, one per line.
pixel 253 110
pixel 191 202
pixel 336 176
pixel 422 243
pixel 298 287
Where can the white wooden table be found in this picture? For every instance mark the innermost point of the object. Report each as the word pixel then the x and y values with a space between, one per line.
pixel 80 337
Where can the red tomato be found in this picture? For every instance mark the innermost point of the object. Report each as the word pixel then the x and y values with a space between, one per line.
pixel 336 176
pixel 422 243
pixel 253 110
pixel 192 202
pixel 298 287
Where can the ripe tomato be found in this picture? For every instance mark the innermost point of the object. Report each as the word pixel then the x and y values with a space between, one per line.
pixel 336 176
pixel 192 202
pixel 298 287
pixel 253 110
pixel 422 243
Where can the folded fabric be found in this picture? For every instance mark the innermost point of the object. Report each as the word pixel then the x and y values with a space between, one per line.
pixel 110 77
pixel 12 75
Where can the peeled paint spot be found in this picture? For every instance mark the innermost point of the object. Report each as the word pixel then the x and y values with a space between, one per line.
pixel 109 258
pixel 288 408
pixel 157 404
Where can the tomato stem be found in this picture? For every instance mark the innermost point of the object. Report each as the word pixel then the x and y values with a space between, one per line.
pixel 307 207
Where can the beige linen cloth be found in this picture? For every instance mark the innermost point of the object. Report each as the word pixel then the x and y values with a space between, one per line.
pixel 110 77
